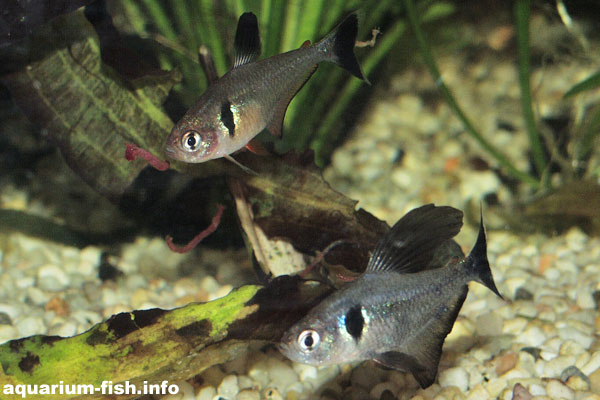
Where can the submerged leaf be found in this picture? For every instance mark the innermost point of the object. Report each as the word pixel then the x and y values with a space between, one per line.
pixel 155 345
pixel 86 109
pixel 290 200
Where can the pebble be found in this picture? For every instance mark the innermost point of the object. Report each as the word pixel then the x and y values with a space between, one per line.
pixel 281 373
pixel 206 393
pixel 248 394
pixel 29 326
pixel 229 387
pixel 52 278
pixel 456 376
pixel 559 391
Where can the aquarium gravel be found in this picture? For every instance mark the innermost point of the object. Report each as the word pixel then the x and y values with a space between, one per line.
pixel 542 341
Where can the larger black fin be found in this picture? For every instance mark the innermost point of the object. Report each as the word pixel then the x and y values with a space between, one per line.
pixel 420 355
pixel 410 244
pixel 247 40
pixel 342 40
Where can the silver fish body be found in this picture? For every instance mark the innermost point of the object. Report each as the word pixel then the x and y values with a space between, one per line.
pixel 396 313
pixel 254 95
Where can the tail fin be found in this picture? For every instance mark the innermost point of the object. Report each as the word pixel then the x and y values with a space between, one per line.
pixel 341 42
pixel 477 263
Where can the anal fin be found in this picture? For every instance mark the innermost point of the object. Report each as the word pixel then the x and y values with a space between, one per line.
pixel 405 362
pixel 421 353
pixel 275 126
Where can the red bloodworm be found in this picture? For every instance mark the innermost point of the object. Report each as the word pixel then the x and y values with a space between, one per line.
pixel 199 237
pixel 132 152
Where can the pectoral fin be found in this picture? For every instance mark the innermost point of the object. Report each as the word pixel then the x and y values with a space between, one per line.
pixel 247 40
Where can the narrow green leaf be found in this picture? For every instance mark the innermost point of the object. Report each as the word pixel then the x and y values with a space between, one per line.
pixel 522 11
pixel 589 83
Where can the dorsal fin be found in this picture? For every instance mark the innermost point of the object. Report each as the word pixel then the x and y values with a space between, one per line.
pixel 410 244
pixel 247 40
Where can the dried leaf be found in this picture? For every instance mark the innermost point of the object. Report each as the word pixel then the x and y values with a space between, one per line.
pixel 290 200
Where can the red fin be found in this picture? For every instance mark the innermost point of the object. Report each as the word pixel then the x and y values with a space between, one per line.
pixel 275 126
pixel 305 44
pixel 256 147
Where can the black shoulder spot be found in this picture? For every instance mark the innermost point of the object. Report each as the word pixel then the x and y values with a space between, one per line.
pixel 227 117
pixel 355 322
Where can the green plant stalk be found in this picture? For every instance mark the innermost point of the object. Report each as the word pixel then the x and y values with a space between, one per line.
pixel 586 144
pixel 214 41
pixel 323 88
pixel 310 15
pixel 325 138
pixel 290 26
pixel 434 71
pixel 522 11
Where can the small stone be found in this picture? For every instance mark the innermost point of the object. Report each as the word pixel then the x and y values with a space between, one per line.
pixel 307 372
pixel 595 381
pixel 245 382
pixel 248 394
pixel 272 394
pixel 30 326
pixel 229 387
pixel 523 294
pixel 58 305
pixel 7 333
pixel 505 363
pixel 379 389
pixel 37 296
pixel 281 374
pixel 592 365
pixel 521 393
pixel 66 329
pixel 5 319
pixel 206 393
pixel 52 278
pixel 456 376
pixel 559 391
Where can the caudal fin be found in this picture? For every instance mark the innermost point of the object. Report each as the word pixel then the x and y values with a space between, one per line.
pixel 341 41
pixel 478 264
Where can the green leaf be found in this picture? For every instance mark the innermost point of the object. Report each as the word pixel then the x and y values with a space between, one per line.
pixel 589 83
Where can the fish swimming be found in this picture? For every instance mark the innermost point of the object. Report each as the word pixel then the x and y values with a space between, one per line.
pixel 254 95
pixel 397 312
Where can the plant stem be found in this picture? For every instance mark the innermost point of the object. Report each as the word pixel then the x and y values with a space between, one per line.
pixel 522 11
pixel 325 134
pixel 434 71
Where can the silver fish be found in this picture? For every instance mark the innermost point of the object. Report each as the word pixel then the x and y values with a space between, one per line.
pixel 397 312
pixel 254 95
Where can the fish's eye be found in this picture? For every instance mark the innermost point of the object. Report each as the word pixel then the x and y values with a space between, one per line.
pixel 309 340
pixel 191 140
